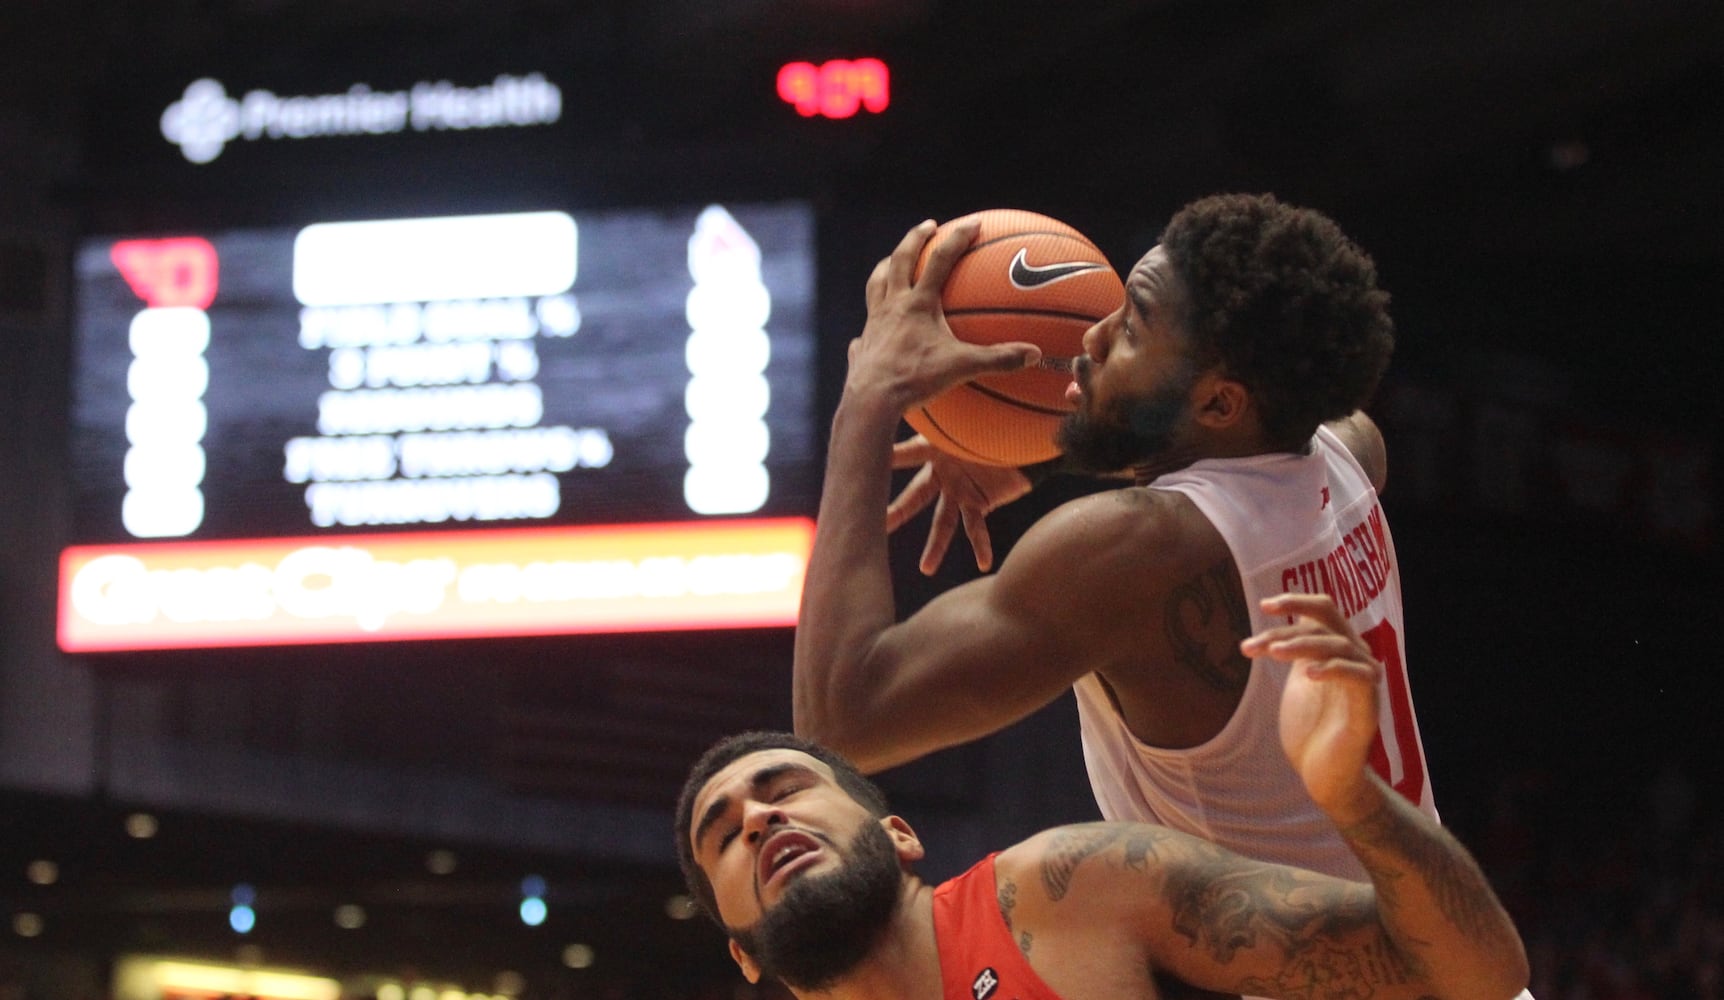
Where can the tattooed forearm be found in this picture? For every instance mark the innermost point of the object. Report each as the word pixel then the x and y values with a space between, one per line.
pixel 1205 618
pixel 1223 908
pixel 1325 931
pixel 1321 969
pixel 1394 850
pixel 1069 849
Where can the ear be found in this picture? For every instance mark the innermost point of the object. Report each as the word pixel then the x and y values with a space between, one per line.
pixel 745 962
pixel 1219 402
pixel 909 845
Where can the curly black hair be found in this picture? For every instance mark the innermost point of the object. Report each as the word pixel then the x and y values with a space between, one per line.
pixel 717 757
pixel 1286 303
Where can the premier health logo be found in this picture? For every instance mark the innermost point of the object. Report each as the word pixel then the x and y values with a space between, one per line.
pixel 205 118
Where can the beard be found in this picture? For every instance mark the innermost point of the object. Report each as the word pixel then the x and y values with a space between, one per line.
pixel 1128 432
pixel 824 926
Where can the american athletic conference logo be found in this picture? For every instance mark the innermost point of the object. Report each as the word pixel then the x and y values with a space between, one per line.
pixel 205 119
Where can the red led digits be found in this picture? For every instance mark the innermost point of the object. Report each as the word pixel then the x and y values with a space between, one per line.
pixel 168 273
pixel 835 89
pixel 797 85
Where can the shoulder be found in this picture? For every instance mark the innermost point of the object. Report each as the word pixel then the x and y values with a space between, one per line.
pixel 1126 518
pixel 1093 861
pixel 1133 534
pixel 1363 438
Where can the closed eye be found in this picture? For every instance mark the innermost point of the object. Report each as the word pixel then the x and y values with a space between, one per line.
pixel 778 795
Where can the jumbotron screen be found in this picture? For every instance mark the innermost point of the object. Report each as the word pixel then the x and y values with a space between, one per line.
pixel 515 424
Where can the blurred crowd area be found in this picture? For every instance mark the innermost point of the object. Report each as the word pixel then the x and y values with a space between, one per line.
pixel 1618 890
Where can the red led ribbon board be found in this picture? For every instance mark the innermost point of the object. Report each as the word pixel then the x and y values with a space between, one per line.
pixel 433 585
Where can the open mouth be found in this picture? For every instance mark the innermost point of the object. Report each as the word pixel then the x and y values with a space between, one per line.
pixel 784 851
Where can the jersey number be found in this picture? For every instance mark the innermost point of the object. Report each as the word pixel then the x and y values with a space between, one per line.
pixel 1381 639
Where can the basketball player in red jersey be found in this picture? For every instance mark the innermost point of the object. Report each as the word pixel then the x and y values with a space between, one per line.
pixel 1228 385
pixel 789 849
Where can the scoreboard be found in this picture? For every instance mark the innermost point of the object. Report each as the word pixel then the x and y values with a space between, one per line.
pixel 530 423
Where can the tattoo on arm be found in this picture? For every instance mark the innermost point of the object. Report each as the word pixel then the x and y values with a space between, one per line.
pixel 1008 894
pixel 1008 898
pixel 1457 887
pixel 1140 848
pixel 1204 619
pixel 1224 909
pixel 1069 849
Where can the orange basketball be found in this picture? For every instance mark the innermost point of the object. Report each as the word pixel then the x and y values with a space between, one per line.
pixel 1027 277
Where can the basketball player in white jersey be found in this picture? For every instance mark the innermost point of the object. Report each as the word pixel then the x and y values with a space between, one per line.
pixel 1228 385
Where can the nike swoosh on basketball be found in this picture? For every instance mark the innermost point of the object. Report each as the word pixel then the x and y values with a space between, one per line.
pixel 1026 276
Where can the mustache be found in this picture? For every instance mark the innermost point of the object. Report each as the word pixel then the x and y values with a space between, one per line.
pixel 1081 368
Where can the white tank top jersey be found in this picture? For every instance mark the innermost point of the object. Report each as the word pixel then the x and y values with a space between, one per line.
pixel 1303 523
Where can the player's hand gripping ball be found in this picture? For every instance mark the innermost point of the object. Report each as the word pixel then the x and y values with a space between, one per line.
pixel 1026 277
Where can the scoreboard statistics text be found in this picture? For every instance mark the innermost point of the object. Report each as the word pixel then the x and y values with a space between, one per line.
pixel 514 424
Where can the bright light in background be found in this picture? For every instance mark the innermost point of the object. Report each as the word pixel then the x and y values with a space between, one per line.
pixel 680 907
pixel 242 918
pixel 440 862
pixel 141 826
pixel 533 909
pixel 27 925
pixel 139 976
pixel 42 872
pixel 349 916
pixel 579 956
pixel 434 260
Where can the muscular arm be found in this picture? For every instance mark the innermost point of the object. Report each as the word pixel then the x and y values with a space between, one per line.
pixel 1087 897
pixel 970 662
pixel 974 660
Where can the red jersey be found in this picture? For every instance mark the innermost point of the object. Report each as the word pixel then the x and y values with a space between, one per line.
pixel 978 958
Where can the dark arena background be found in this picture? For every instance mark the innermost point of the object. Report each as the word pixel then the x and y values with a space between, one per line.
pixel 418 800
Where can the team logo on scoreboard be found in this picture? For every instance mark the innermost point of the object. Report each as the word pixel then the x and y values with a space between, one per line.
pixel 206 118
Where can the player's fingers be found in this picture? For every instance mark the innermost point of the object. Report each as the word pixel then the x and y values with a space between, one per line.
pixel 976 529
pixel 1313 647
pixel 912 499
pixel 875 290
pixel 911 451
pixel 1341 668
pixel 1320 607
pixel 940 533
pixel 946 253
pixel 980 359
pixel 902 264
pixel 1276 641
